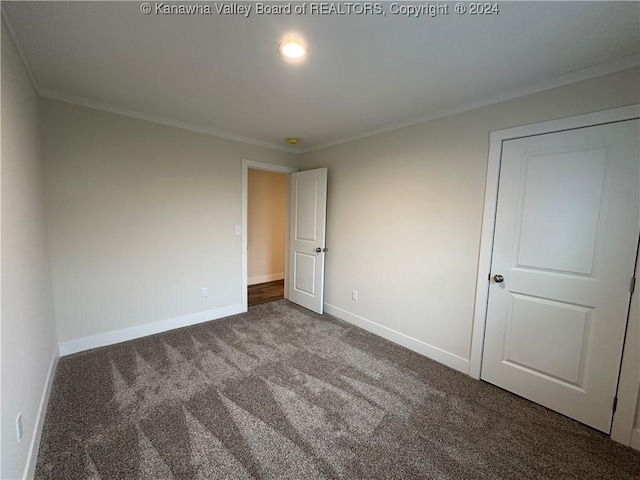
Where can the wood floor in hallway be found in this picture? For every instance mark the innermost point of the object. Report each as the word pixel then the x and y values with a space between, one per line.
pixel 265 292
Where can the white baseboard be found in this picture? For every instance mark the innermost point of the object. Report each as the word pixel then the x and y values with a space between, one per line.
pixel 434 353
pixel 635 439
pixel 117 336
pixel 265 278
pixel 32 456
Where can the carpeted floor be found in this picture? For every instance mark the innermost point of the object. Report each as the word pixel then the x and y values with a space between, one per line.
pixel 281 393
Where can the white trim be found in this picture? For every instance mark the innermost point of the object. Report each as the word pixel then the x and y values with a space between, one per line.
pixel 587 120
pixel 117 336
pixel 635 439
pixel 484 258
pixel 265 278
pixel 627 389
pixel 629 380
pixel 434 353
pixel 612 66
pixel 32 456
pixel 149 117
pixel 269 167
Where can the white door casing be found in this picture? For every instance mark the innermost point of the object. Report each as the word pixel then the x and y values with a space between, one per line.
pixel 246 165
pixel 308 216
pixel 566 232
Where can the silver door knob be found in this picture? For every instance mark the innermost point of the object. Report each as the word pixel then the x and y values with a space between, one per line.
pixel 498 278
pixel 318 250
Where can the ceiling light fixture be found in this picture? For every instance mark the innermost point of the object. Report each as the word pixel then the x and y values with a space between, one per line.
pixel 293 140
pixel 291 49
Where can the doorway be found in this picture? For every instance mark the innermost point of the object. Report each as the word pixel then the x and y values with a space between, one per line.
pixel 563 256
pixel 247 167
pixel 560 232
pixel 266 235
pixel 305 246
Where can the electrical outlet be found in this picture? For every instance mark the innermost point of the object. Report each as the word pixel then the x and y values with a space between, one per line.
pixel 19 426
pixel 204 292
pixel 238 230
pixel 354 295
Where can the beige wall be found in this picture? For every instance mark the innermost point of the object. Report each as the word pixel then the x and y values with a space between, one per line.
pixel 141 217
pixel 28 326
pixel 405 212
pixel 266 225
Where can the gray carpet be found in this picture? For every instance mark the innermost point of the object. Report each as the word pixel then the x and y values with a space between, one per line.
pixel 281 393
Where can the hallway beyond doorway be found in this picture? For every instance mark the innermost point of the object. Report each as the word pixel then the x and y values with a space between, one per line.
pixel 265 292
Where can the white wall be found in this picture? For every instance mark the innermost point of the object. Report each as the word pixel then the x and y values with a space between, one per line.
pixel 266 225
pixel 405 212
pixel 141 217
pixel 28 332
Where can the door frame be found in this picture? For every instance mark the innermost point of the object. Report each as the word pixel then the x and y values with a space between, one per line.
pixel 622 427
pixel 269 167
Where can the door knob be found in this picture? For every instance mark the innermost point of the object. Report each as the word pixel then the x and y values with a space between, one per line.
pixel 498 278
pixel 318 250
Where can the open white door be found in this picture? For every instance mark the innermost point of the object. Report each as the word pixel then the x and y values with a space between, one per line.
pixel 308 210
pixel 566 233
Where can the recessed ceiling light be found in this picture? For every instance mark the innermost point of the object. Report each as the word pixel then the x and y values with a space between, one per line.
pixel 291 49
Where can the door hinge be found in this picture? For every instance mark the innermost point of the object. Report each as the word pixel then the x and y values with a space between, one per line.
pixel 633 285
pixel 615 404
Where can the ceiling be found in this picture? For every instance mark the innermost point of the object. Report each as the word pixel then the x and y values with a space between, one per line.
pixel 363 73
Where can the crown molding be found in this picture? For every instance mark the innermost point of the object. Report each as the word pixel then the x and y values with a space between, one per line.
pixel 612 66
pixel 8 24
pixel 598 70
pixel 85 102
